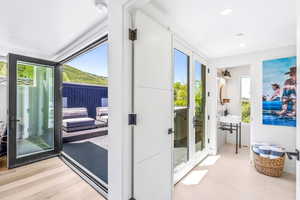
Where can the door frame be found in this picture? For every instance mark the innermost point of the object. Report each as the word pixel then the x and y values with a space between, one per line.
pixel 13 161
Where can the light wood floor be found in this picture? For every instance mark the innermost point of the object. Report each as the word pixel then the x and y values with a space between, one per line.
pixel 49 179
pixel 3 163
pixel 232 177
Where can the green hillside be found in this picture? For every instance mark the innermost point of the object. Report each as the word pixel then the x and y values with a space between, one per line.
pixel 2 68
pixel 71 74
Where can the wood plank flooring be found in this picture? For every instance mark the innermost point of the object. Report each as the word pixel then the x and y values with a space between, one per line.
pixel 49 179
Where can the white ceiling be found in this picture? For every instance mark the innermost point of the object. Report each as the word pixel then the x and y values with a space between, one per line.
pixel 43 28
pixel 267 24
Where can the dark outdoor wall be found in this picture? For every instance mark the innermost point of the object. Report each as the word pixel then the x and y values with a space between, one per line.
pixel 88 96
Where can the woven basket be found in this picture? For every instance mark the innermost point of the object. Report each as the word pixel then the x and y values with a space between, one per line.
pixel 269 167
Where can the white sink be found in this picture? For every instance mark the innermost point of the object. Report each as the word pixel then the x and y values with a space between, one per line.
pixel 234 119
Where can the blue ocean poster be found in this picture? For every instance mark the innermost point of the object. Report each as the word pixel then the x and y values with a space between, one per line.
pixel 279 92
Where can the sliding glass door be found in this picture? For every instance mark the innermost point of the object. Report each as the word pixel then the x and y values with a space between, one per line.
pixel 33 114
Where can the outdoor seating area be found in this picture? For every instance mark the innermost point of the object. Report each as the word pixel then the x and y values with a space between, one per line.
pixel 85 138
pixel 77 125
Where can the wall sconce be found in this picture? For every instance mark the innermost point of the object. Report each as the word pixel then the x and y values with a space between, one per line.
pixel 226 74
pixel 226 101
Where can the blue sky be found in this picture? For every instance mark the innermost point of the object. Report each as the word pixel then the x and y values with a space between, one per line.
pixel 274 72
pixel 198 70
pixel 180 66
pixel 94 61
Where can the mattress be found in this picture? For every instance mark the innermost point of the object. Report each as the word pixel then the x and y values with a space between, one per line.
pixel 78 122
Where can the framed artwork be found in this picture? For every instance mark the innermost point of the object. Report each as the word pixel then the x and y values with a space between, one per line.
pixel 279 92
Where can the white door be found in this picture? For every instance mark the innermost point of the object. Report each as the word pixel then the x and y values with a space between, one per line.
pixel 153 106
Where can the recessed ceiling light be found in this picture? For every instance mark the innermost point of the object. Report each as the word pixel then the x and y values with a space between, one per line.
pixel 242 45
pixel 226 11
pixel 101 5
pixel 240 34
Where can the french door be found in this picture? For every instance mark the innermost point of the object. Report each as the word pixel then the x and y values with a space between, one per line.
pixel 189 88
pixel 199 117
pixel 33 110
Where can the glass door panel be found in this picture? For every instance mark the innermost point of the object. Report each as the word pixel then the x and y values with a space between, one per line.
pixel 34 125
pixel 35 108
pixel 199 114
pixel 181 109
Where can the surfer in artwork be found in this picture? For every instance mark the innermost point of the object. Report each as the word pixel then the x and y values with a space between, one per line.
pixel 289 94
pixel 277 93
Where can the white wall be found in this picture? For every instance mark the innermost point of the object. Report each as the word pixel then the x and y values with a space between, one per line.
pixel 233 92
pixel 119 159
pixel 221 135
pixel 233 88
pixel 282 135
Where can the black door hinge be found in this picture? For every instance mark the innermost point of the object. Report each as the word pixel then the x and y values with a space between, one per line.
pixel 208 70
pixel 132 34
pixel 208 94
pixel 170 131
pixel 131 119
pixel 208 117
pixel 208 140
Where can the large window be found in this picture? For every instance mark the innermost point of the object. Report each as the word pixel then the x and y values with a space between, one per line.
pixel 245 99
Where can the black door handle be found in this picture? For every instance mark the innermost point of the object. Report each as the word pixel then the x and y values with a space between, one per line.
pixel 14 120
pixel 194 121
pixel 293 154
pixel 170 131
